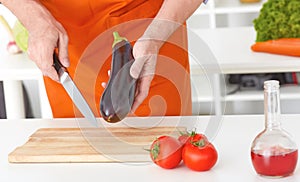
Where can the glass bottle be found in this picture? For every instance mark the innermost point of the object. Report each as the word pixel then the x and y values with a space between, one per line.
pixel 273 152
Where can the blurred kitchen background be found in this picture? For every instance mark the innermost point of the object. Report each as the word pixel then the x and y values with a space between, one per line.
pixel 245 89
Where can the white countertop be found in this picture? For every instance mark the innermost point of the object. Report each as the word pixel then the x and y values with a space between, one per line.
pixel 231 48
pixel 232 142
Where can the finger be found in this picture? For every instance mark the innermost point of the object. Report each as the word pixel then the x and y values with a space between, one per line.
pixel 142 92
pixel 137 102
pixel 53 75
pixel 137 67
pixel 103 84
pixel 63 47
pixel 149 66
pixel 47 67
pixel 44 60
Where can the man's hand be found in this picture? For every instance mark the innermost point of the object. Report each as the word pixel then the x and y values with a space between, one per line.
pixel 41 43
pixel 171 15
pixel 145 54
pixel 45 34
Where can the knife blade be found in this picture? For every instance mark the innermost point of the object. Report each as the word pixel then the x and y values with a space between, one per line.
pixel 73 91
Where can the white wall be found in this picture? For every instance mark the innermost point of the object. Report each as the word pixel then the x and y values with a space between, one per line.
pixel 31 86
pixel 7 15
pixel 202 85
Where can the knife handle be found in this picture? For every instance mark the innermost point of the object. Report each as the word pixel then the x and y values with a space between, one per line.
pixel 56 63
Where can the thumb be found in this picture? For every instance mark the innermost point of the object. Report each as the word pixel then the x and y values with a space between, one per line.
pixel 137 67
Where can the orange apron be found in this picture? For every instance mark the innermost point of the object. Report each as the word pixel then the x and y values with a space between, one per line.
pixel 89 25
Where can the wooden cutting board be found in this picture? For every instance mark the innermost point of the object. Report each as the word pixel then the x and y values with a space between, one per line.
pixel 54 145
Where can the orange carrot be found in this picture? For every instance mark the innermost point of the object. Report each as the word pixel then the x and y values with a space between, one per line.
pixel 283 46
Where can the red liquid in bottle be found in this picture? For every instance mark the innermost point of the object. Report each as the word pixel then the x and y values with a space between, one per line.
pixel 273 152
pixel 276 163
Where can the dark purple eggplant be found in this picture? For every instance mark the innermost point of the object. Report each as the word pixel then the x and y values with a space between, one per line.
pixel 117 98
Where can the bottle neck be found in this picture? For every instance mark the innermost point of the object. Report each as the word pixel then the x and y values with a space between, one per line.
pixel 272 107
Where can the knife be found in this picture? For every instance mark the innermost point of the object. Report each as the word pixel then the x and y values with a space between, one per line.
pixel 73 91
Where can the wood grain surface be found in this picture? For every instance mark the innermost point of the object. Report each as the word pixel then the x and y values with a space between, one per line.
pixel 67 145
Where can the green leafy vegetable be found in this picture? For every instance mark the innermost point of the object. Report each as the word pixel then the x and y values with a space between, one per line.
pixel 20 35
pixel 278 19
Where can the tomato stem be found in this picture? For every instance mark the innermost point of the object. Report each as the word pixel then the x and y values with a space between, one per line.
pixel 148 150
pixel 184 133
pixel 199 143
pixel 155 150
pixel 193 133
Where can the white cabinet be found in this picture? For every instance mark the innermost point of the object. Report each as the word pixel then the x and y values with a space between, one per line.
pixel 226 26
pixel 224 13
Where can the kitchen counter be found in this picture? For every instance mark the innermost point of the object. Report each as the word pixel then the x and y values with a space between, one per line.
pixel 231 48
pixel 232 142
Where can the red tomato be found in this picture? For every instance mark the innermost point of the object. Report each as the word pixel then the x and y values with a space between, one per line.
pixel 166 152
pixel 199 155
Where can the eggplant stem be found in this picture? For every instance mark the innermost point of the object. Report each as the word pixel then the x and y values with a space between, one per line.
pixel 117 38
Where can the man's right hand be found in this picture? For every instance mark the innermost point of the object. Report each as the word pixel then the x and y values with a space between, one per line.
pixel 42 41
pixel 45 34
